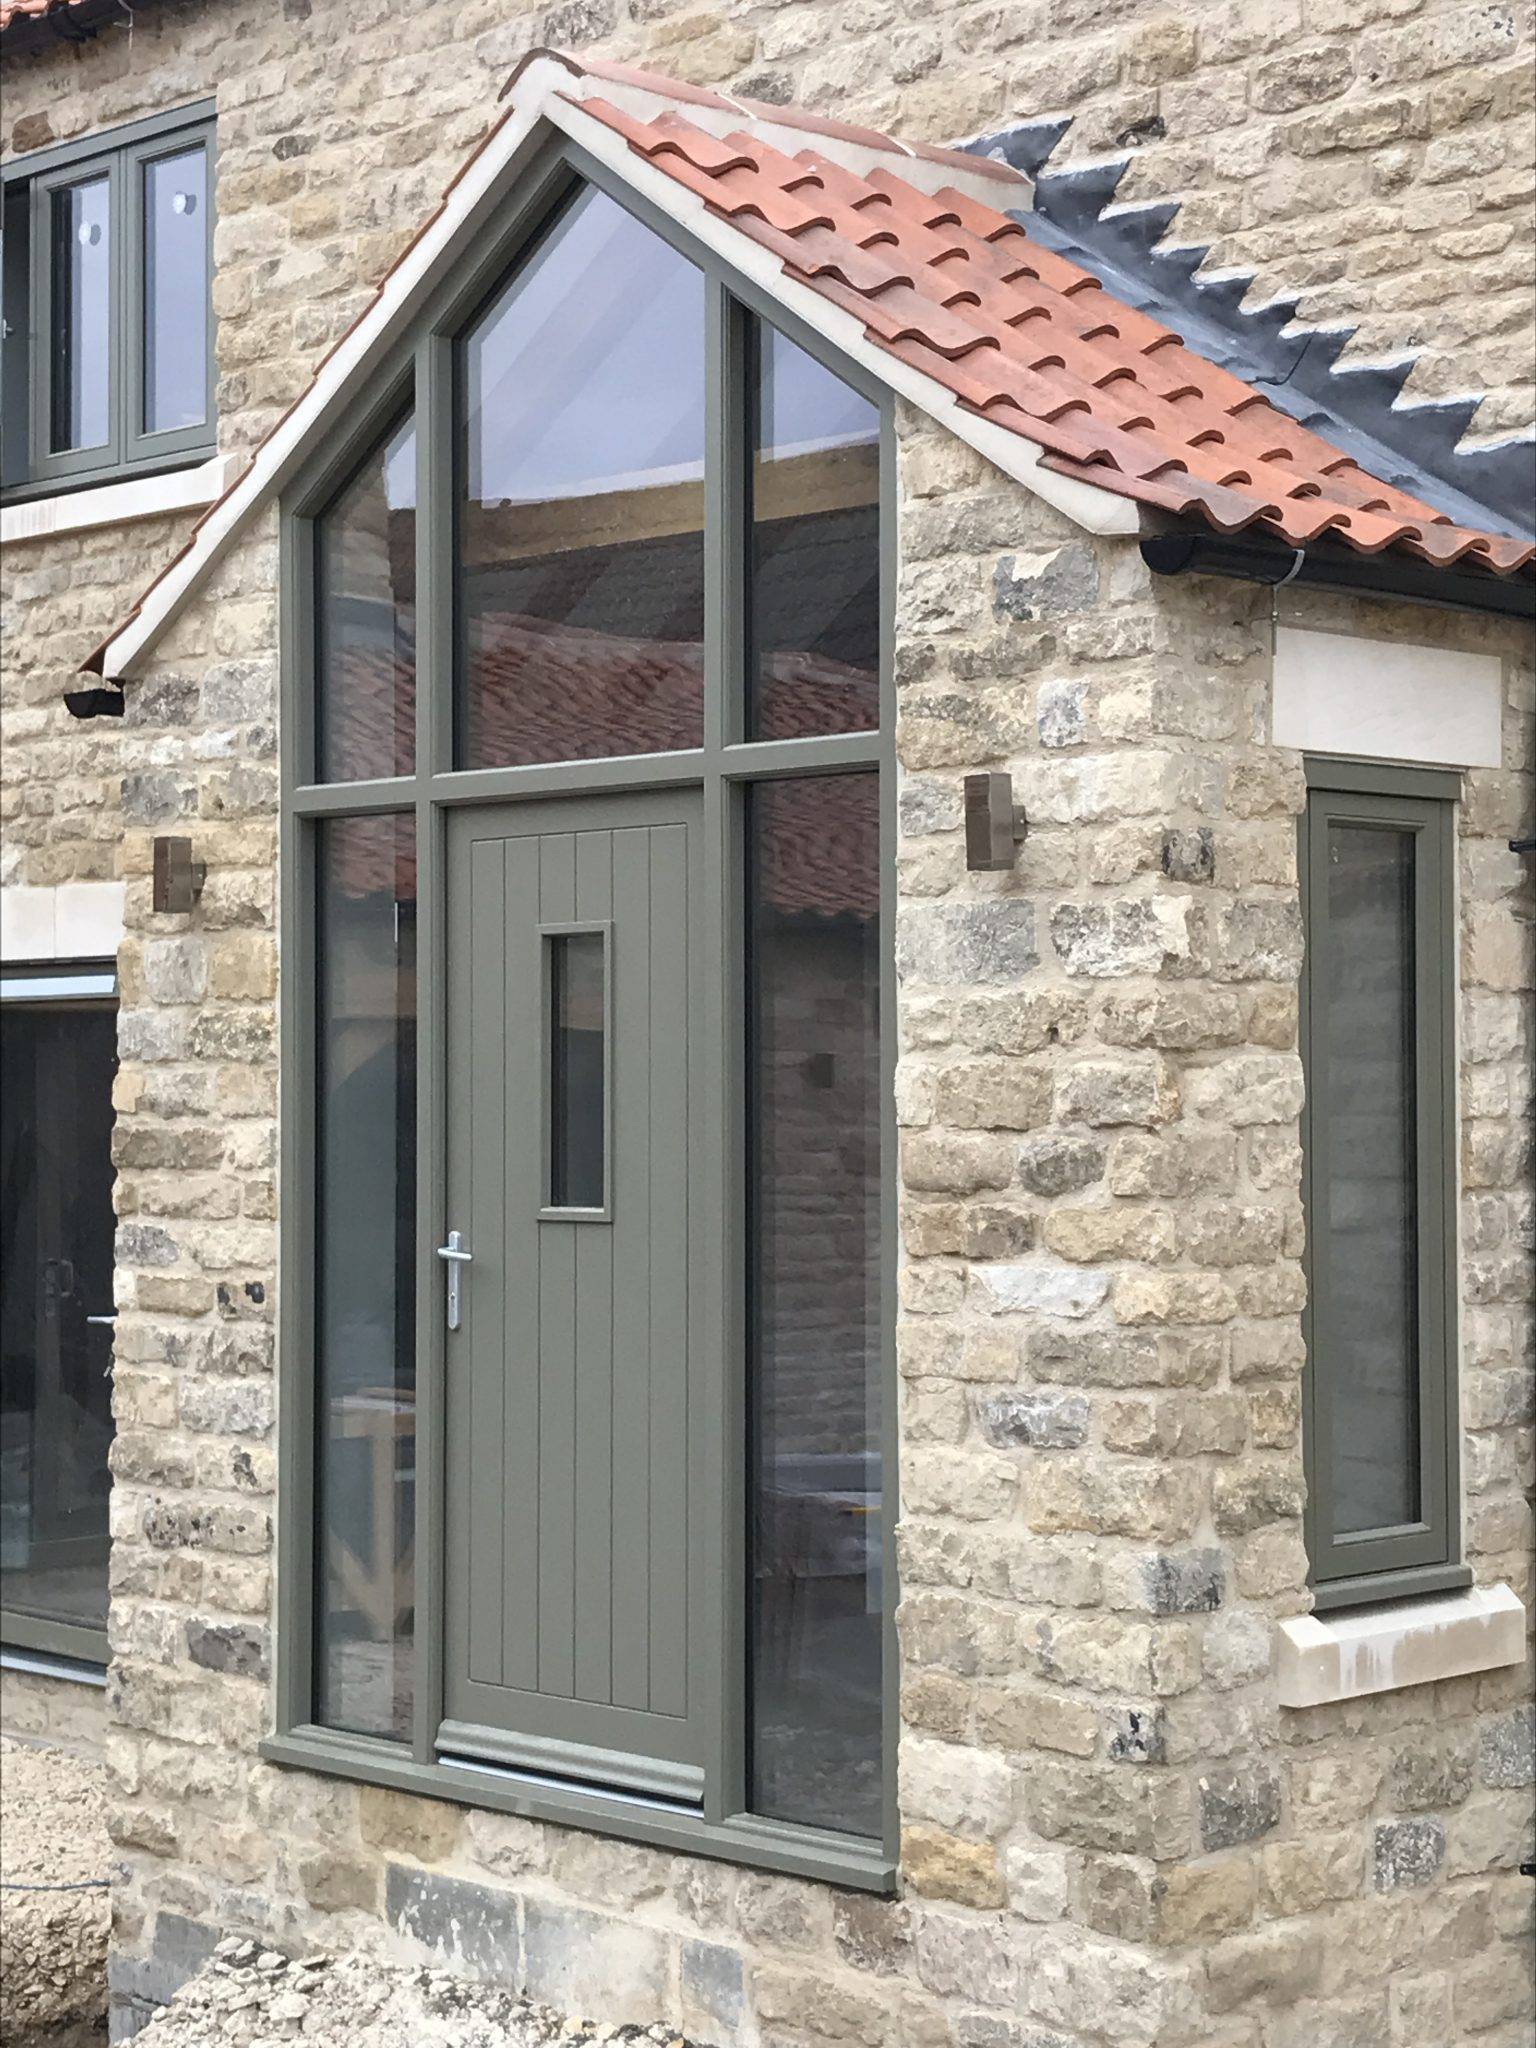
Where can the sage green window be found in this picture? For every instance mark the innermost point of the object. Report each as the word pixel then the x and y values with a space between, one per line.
pixel 1377 1040
pixel 588 1474
pixel 58 1059
pixel 106 358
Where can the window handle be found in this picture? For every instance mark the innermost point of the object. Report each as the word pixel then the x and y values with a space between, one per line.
pixel 455 1256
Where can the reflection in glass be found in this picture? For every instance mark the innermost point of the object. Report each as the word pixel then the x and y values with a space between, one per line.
pixel 1368 1033
pixel 815 1312
pixel 581 552
pixel 56 1253
pixel 176 291
pixel 577 1078
pixel 365 610
pixel 366 1273
pixel 82 289
pixel 815 566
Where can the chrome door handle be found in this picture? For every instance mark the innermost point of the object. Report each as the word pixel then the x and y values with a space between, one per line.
pixel 455 1256
pixel 108 1320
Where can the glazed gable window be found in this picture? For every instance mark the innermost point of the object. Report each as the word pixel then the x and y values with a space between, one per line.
pixel 1377 869
pixel 587 1356
pixel 107 348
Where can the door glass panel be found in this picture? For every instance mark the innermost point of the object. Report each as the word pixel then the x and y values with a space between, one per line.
pixel 577 1086
pixel 176 291
pixel 365 610
pixel 581 549
pixel 82 327
pixel 366 1273
pixel 56 1231
pixel 1368 1035
pixel 815 567
pixel 815 1315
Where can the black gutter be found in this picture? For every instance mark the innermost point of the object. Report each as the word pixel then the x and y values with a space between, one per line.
pixel 1471 590
pixel 102 702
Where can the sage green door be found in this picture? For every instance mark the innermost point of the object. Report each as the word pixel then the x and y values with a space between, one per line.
pixel 573 1631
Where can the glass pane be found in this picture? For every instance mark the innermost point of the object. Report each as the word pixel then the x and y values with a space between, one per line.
pixel 56 1227
pixel 81 342
pixel 815 1331
pixel 1368 1031
pixel 581 545
pixel 366 1273
pixel 815 583
pixel 365 612
pixel 577 1080
pixel 176 291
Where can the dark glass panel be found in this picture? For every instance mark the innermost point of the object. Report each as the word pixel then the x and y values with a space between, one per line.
pixel 815 1314
pixel 56 1252
pixel 366 1273
pixel 82 324
pixel 1368 1036
pixel 577 971
pixel 581 550
pixel 815 562
pixel 176 291
pixel 365 611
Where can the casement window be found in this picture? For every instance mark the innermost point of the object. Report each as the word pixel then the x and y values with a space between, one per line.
pixel 106 354
pixel 1378 882
pixel 587 1493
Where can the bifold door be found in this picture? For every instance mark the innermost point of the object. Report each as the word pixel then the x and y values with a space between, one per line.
pixel 574 1324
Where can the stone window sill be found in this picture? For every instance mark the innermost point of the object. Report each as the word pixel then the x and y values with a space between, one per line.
pixel 140 497
pixel 1343 1656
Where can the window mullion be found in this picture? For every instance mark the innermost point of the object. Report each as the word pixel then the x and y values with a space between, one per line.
pixel 122 377
pixel 725 519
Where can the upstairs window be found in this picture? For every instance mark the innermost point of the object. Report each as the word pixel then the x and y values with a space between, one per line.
pixel 108 333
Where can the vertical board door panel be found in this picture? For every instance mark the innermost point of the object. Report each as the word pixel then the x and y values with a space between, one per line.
pixel 572 1596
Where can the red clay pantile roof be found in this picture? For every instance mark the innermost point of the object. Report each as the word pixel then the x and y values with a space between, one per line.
pixel 897 238
pixel 1029 340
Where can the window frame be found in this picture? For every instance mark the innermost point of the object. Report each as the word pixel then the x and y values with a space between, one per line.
pixel 420 372
pixel 90 984
pixel 1422 1556
pixel 122 156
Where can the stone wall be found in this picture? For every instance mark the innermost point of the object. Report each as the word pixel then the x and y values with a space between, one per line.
pixel 53 1711
pixel 1376 153
pixel 1113 1835
pixel 1111 1830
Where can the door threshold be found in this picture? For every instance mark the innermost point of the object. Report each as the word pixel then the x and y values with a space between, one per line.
pixel 546 1781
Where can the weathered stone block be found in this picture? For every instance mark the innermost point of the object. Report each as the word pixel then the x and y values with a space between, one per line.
pixel 966 942
pixel 1043 586
pixel 1406 1852
pixel 470 1927
pixel 1044 1286
pixel 993 1094
pixel 945 1866
pixel 1038 1421
pixel 1060 1166
pixel 1102 940
pixel 1106 1093
pixel 403 1825
pixel 1508 1750
pixel 1275 1967
pixel 713 1984
pixel 1238 1805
